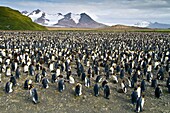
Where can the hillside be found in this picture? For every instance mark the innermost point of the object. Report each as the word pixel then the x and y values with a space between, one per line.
pixel 119 27
pixel 13 20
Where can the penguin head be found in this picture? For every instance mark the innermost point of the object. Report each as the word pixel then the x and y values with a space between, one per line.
pixel 29 82
pixel 143 96
pixel 138 85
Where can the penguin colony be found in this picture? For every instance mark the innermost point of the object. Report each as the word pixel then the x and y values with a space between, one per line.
pixel 86 60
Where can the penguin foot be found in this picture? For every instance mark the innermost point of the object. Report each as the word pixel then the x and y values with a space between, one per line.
pixel 35 102
pixel 96 95
pixel 107 98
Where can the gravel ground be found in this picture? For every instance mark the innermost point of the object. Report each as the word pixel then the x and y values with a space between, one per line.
pixel 51 100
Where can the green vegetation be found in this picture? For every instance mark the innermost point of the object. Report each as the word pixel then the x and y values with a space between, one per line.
pixel 13 20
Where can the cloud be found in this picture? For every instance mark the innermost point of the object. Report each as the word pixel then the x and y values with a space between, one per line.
pixel 105 11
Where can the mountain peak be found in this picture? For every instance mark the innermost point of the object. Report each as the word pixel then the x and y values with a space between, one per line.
pixel 24 12
pixel 85 18
pixel 83 14
pixel 37 11
pixel 59 14
pixel 68 16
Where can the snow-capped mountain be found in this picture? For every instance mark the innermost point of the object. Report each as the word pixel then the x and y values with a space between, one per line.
pixel 67 20
pixel 142 24
pixel 152 25
pixel 42 18
pixel 159 25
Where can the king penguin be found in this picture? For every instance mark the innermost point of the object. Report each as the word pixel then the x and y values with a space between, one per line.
pixel 34 95
pixel 78 89
pixel 106 91
pixel 96 89
pixel 61 85
pixel 8 87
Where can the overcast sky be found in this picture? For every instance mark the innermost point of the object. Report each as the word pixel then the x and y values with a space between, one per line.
pixel 104 11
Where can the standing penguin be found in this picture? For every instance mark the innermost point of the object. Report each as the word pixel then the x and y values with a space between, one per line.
pixel 83 76
pixel 27 84
pixel 168 80
pixel 98 79
pixel 154 82
pixel 78 89
pixel 134 78
pixel 118 69
pixel 115 79
pixel 87 81
pixel 45 82
pixel 38 67
pixel 53 78
pixel 149 76
pixel 143 85
pixel 169 88
pixel 37 78
pixel 139 91
pixel 160 74
pixel 44 73
pixel 106 91
pixel 168 83
pixel 8 71
pixel 58 71
pixel 31 70
pixel 96 89
pixel 129 82
pixel 140 103
pixel 51 66
pixel 0 78
pixel 122 74
pixel 158 92
pixel 13 80
pixel 71 80
pixel 61 85
pixel 8 87
pixel 34 95
pixel 26 68
pixel 88 63
pixel 17 73
pixel 123 87
pixel 134 96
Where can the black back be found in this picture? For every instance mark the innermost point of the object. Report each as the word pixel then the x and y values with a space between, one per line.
pixel 7 87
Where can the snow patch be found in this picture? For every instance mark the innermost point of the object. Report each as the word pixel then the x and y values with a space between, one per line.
pixel 143 24
pixel 34 16
pixel 54 18
pixel 75 17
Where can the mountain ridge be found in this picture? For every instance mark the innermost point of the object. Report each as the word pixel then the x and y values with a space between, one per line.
pixel 153 25
pixel 68 20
